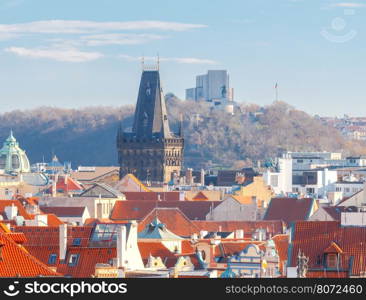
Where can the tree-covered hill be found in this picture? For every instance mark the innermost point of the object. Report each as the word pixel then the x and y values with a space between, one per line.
pixel 212 137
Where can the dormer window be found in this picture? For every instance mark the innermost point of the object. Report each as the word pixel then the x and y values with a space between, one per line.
pixel 332 260
pixel 332 256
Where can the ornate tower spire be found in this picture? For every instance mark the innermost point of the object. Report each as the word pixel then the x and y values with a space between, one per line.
pixel 151 117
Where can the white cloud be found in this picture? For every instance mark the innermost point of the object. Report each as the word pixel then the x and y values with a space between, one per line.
pixel 119 39
pixel 78 26
pixel 349 5
pixel 180 60
pixel 67 55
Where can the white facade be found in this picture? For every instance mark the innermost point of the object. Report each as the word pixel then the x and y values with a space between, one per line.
pixel 212 87
pixel 324 183
pixel 281 181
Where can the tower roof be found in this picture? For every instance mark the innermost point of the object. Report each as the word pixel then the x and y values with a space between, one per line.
pixel 12 157
pixel 151 117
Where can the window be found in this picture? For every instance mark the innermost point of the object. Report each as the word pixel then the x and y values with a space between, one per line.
pixel 2 161
pixel 73 260
pixel 15 164
pixel 274 180
pixel 310 190
pixel 52 259
pixel 76 242
pixel 332 260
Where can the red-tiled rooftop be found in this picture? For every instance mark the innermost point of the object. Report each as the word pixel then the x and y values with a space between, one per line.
pixel 289 209
pixel 63 211
pixel 174 220
pixel 152 196
pixel 17 203
pixel 17 262
pixel 137 210
pixel 314 238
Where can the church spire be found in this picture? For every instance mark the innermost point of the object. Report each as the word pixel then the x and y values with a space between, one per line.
pixel 151 117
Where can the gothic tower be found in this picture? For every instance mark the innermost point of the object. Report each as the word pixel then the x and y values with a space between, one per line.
pixel 150 150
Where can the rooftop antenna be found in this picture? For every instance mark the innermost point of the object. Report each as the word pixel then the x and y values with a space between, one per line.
pixel 276 88
pixel 142 62
pixel 158 61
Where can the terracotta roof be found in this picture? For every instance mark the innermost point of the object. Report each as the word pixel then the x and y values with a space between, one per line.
pixel 64 211
pixel 53 220
pixel 235 247
pixel 67 184
pixel 88 258
pixel 289 209
pixel 157 249
pixel 137 210
pixel 210 195
pixel 326 274
pixel 313 238
pixel 333 248
pixel 17 203
pixel 200 197
pixel 152 196
pixel 16 261
pixel 174 220
pixel 249 227
pixel 335 211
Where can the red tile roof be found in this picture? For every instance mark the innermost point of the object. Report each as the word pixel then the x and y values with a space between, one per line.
pixel 152 196
pixel 174 220
pixel 16 261
pixel 137 210
pixel 17 203
pixel 313 238
pixel 53 220
pixel 235 247
pixel 333 248
pixel 64 211
pixel 67 184
pixel 88 258
pixel 289 209
pixel 200 197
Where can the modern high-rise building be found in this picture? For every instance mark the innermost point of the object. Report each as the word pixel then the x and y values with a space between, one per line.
pixel 212 87
pixel 150 151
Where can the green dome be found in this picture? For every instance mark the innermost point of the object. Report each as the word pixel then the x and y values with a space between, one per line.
pixel 12 158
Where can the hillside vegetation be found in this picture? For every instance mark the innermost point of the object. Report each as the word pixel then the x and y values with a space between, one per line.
pixel 212 138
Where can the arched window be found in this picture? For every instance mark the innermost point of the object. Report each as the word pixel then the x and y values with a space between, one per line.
pixel 15 164
pixel 2 161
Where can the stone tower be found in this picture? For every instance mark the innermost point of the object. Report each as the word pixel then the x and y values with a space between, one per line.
pixel 150 150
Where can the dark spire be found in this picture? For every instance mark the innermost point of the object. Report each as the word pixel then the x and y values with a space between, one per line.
pixel 119 134
pixel 180 132
pixel 151 117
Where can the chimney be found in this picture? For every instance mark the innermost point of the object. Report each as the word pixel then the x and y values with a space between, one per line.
pixel 54 186
pixel 121 247
pixel 239 234
pixel 63 241
pixel 189 176
pixel 202 177
pixel 11 211
pixel 181 196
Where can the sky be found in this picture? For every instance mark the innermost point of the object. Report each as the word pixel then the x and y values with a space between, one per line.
pixel 77 53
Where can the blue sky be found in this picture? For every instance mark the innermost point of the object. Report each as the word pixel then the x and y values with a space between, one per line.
pixel 86 53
